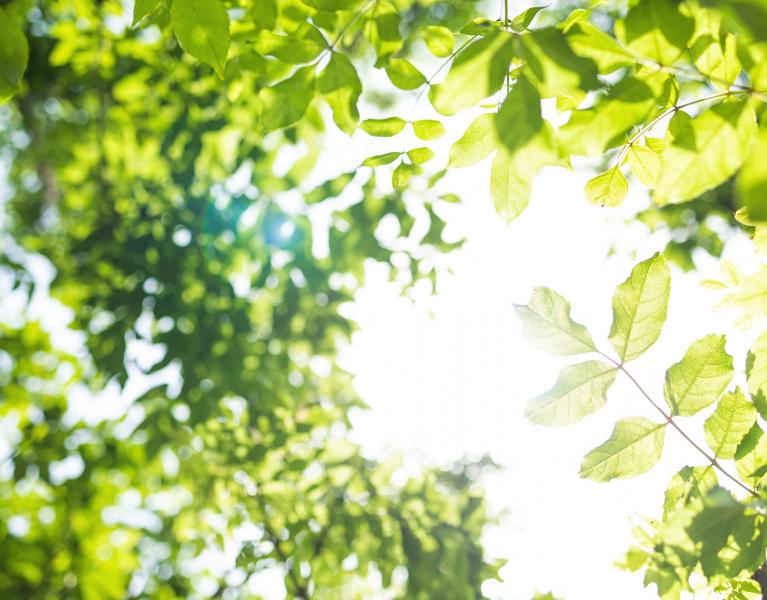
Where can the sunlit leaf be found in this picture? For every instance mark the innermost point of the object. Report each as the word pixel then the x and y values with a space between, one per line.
pixel 14 53
pixel 202 29
pixel 639 308
pixel 634 447
pixel 580 390
pixel 428 129
pixel 700 377
pixel 404 75
pixel 547 323
pixel 383 127
pixel 439 40
pixel 341 88
pixel 732 420
pixel 608 188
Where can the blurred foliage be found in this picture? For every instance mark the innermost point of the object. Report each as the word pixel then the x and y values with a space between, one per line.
pixel 173 223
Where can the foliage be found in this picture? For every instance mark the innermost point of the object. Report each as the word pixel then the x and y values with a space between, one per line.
pixel 147 162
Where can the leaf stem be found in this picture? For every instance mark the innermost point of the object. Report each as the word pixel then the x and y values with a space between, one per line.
pixel 670 420
pixel 669 111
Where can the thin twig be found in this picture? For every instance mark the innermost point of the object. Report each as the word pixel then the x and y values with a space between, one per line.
pixel 670 420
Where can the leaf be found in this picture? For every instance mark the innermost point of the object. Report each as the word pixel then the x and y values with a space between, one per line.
pixel 301 46
pixel 644 163
pixel 553 67
pixel 699 378
pixel 523 19
pixel 341 88
pixel 420 155
pixel 509 188
pixel 639 308
pixel 634 447
pixel 608 188
pixel 725 429
pixel 401 176
pixel 404 75
pixel 591 131
pixel 590 42
pixel 656 29
pixel 751 456
pixel 756 373
pixel 383 127
pixel 547 324
pixel 580 390
pixel 477 142
pixel 141 8
pixel 288 101
pixel 751 184
pixel 687 484
pixel 202 30
pixel 714 55
pixel 519 118
pixel 14 55
pixel 428 129
pixel 439 40
pixel 476 73
pixel 705 151
pixel 381 159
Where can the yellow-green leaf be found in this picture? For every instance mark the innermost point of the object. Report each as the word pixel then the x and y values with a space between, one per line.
pixel 725 429
pixel 547 323
pixel 634 447
pixel 14 54
pixel 428 129
pixel 639 308
pixel 608 188
pixel 404 75
pixel 383 127
pixel 579 391
pixel 699 378
pixel 478 142
pixel 202 30
pixel 439 40
pixel 644 163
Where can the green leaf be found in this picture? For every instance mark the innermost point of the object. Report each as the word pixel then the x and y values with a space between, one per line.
pixel 656 29
pixel 420 155
pixel 644 163
pixel 705 151
pixel 547 323
pixel 519 118
pixel 751 184
pixel 732 420
pixel 580 390
pixel 202 30
pixel 751 456
pixel 639 308
pixel 523 19
pixel 288 101
pixel 14 54
pixel 477 143
pixel 714 55
pixel 341 88
pixel 476 73
pixel 439 40
pixel 381 159
pixel 608 188
pixel 428 129
pixel 141 8
pixel 553 67
pixel 590 42
pixel 756 373
pixel 699 378
pixel 687 484
pixel 301 46
pixel 401 176
pixel 591 131
pixel 383 31
pixel 404 75
pixel 509 187
pixel 383 127
pixel 634 447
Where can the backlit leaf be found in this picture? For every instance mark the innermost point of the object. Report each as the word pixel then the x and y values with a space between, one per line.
pixel 202 29
pixel 656 29
pixel 428 129
pixel 341 88
pixel 383 127
pixel 634 447
pixel 439 40
pixel 547 323
pixel 404 75
pixel 644 163
pixel 700 377
pixel 579 391
pixel 14 53
pixel 286 102
pixel 639 308
pixel 608 188
pixel 478 142
pixel 732 420
pixel 705 151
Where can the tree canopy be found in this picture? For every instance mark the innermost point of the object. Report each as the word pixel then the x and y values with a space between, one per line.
pixel 165 160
